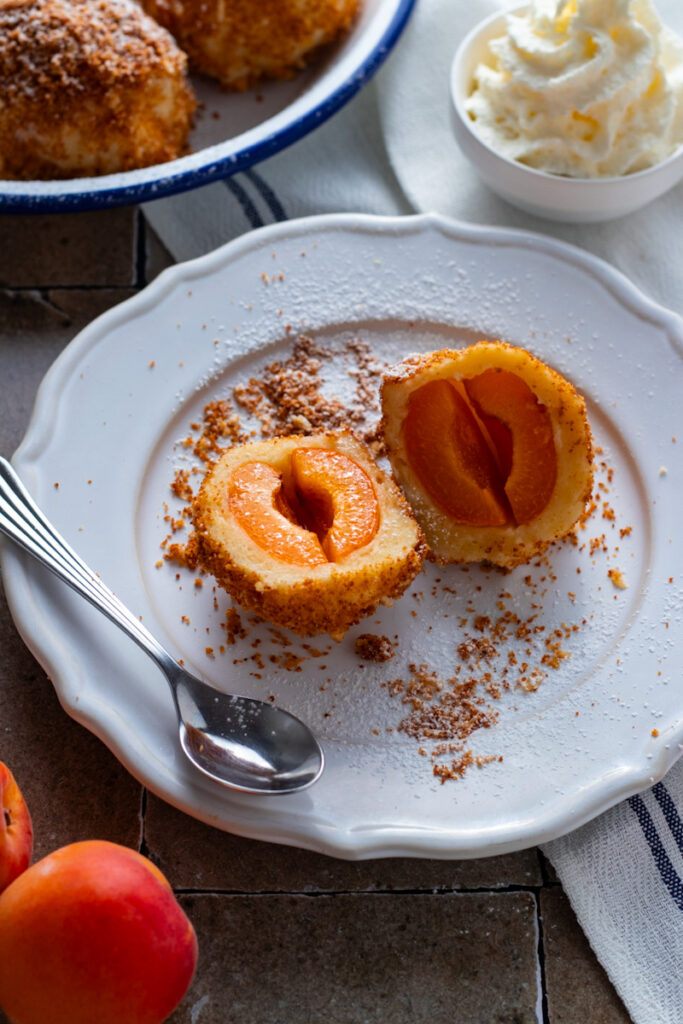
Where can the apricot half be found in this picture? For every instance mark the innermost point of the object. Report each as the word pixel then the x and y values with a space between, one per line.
pixel 257 501
pixel 459 471
pixel 492 449
pixel 341 497
pixel 522 434
pixel 331 511
pixel 308 532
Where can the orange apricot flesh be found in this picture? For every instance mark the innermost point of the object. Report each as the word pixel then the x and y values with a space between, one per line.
pixel 484 452
pixel 257 501
pixel 501 397
pixel 334 482
pixel 328 510
pixel 450 456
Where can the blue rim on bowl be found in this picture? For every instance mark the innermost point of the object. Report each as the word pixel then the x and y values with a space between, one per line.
pixel 219 161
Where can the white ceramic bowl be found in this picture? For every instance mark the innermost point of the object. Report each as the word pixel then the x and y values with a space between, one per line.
pixel 546 195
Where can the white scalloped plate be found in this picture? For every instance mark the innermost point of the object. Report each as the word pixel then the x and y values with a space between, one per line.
pixel 107 428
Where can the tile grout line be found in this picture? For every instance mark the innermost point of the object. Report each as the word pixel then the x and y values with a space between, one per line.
pixel 436 893
pixel 140 253
pixel 143 847
pixel 44 289
pixel 139 281
pixel 544 1015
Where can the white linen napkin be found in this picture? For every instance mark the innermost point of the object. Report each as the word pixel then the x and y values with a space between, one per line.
pixel 391 151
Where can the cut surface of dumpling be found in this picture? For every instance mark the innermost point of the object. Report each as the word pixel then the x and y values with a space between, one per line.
pixel 306 531
pixel 492 449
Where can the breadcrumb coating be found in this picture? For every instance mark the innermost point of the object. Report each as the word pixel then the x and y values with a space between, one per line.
pixel 513 543
pixel 88 87
pixel 242 41
pixel 325 598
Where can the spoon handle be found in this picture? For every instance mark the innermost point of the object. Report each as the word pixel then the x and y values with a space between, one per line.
pixel 24 523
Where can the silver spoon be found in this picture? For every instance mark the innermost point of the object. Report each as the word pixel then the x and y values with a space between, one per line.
pixel 245 744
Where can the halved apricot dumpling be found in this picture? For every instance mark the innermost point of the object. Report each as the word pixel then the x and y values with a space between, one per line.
pixel 308 532
pixel 492 449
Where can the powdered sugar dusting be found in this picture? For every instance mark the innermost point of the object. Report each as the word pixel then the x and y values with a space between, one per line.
pixel 51 45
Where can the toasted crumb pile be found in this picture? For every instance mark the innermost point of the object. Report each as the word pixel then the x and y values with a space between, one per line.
pixel 289 397
pixel 371 647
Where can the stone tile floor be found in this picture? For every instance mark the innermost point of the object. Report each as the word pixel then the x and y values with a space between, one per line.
pixel 285 935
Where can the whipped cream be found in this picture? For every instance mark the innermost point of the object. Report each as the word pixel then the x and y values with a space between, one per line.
pixel 584 88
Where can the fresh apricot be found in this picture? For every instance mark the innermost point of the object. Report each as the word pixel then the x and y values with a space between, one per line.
pixel 525 445
pixel 448 452
pixel 258 503
pixel 16 831
pixel 341 498
pixel 93 933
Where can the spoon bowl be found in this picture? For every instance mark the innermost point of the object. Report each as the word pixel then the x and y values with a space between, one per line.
pixel 245 744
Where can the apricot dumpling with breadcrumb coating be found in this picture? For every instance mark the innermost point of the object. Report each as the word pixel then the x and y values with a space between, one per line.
pixel 88 87
pixel 306 531
pixel 492 449
pixel 240 42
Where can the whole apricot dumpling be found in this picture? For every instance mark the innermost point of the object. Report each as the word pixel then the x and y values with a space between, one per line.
pixel 492 449
pixel 243 41
pixel 308 532
pixel 88 87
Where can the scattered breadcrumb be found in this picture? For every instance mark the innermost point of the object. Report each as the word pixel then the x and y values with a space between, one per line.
pixel 370 647
pixel 234 628
pixel 617 578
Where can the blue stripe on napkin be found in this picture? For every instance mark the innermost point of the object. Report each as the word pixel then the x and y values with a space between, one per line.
pixel 276 207
pixel 248 207
pixel 670 813
pixel 252 191
pixel 664 866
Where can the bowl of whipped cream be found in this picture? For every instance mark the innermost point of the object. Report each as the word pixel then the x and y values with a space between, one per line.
pixel 572 109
